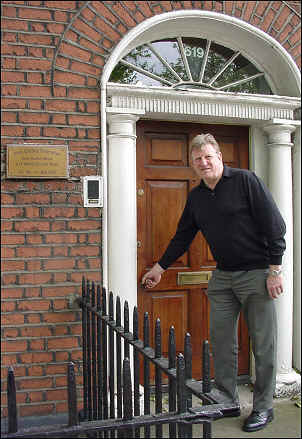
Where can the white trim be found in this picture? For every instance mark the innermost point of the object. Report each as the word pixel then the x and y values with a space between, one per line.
pixel 296 123
pixel 168 102
pixel 105 188
pixel 124 110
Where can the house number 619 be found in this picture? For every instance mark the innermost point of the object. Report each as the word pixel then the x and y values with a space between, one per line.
pixel 196 52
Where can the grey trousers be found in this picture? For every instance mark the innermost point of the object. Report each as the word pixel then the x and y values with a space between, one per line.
pixel 229 293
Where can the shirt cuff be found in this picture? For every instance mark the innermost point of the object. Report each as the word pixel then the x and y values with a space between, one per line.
pixel 275 260
pixel 163 266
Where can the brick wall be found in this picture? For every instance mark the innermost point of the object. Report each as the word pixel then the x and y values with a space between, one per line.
pixel 53 53
pixel 50 240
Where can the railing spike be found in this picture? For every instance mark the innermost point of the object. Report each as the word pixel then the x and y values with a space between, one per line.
pixel 72 396
pixel 126 328
pixel 87 286
pixel 98 298
pixel 118 311
pixel 92 294
pixel 135 323
pixel 188 374
pixel 111 314
pixel 146 330
pixel 126 316
pixel 104 302
pixel 172 382
pixel 127 397
pixel 206 377
pixel 12 402
pixel 158 344
pixel 93 355
pixel 188 355
pixel 83 287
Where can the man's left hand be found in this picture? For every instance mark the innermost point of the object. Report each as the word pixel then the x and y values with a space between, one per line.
pixel 274 285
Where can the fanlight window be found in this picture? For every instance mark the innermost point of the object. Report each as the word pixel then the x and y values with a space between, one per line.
pixel 190 63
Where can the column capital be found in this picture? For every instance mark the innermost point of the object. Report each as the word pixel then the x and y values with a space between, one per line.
pixel 279 132
pixel 123 113
pixel 122 122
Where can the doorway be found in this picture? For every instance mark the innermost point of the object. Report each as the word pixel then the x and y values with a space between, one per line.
pixel 164 179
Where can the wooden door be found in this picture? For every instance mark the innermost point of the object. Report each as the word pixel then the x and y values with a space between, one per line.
pixel 164 179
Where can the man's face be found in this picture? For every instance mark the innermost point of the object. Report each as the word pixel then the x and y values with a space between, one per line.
pixel 207 163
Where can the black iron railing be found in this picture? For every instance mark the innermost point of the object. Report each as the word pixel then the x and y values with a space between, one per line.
pixel 113 404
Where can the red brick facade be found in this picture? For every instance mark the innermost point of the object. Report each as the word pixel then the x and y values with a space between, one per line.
pixel 53 53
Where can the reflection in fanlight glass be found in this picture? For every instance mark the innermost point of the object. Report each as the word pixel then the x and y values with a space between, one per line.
pixel 190 63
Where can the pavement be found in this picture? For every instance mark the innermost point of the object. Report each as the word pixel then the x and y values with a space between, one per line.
pixel 286 423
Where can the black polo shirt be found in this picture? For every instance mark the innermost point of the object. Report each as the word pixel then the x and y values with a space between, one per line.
pixel 239 219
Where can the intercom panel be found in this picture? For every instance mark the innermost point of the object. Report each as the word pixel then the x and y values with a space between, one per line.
pixel 93 191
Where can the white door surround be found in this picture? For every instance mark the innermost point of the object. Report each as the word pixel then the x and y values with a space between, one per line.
pixel 125 104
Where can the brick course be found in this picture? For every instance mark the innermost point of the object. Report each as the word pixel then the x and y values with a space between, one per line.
pixel 49 239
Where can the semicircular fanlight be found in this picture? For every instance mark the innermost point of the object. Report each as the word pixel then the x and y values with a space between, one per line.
pixel 190 63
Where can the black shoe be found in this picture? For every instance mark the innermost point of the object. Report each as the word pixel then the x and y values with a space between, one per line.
pixel 258 419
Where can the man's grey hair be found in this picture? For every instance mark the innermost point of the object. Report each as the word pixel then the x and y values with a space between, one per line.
pixel 204 139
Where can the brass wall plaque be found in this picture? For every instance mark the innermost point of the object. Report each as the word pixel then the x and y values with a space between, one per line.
pixel 32 160
pixel 193 277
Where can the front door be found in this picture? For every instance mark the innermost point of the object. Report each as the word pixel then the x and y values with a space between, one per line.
pixel 164 179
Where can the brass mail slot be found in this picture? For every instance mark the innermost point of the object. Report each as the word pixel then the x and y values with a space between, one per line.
pixel 193 277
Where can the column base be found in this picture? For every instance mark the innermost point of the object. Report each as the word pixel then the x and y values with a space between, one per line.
pixel 287 385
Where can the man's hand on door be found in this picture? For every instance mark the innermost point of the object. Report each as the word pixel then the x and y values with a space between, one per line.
pixel 152 277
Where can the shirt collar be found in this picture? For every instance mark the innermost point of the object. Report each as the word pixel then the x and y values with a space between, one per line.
pixel 227 171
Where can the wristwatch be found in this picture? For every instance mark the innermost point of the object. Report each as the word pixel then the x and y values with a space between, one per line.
pixel 275 272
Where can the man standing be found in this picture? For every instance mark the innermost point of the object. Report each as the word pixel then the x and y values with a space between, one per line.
pixel 245 231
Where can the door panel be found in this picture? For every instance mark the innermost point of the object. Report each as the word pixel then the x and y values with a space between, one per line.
pixel 173 154
pixel 172 307
pixel 164 179
pixel 161 228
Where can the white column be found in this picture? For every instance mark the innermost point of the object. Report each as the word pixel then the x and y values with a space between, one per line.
pixel 122 235
pixel 297 248
pixel 280 185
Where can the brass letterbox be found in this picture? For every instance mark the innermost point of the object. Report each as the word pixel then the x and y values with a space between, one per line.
pixel 193 277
